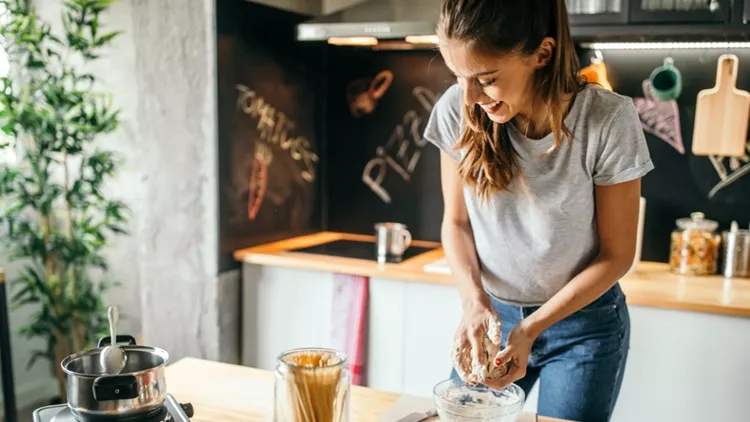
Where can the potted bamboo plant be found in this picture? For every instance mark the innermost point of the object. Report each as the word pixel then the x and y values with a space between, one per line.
pixel 55 218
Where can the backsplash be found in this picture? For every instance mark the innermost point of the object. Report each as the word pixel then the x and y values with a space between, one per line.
pixel 381 169
pixel 269 155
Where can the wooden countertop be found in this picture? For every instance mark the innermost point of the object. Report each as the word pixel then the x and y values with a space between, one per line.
pixel 651 284
pixel 221 392
pixel 278 253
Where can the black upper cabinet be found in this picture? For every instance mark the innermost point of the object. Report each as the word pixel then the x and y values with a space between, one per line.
pixel 597 12
pixel 660 20
pixel 680 11
pixel 741 12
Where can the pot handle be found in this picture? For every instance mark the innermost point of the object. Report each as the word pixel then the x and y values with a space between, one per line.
pixel 115 387
pixel 106 341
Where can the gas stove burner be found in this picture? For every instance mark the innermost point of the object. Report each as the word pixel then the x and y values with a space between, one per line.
pixel 160 415
pixel 172 411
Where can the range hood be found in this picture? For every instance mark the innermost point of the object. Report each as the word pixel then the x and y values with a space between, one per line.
pixel 374 19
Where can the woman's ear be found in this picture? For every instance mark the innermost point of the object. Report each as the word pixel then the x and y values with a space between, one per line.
pixel 544 52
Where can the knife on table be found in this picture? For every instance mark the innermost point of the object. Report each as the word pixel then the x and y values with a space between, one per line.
pixel 419 417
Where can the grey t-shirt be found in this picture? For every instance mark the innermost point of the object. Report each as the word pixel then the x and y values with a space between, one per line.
pixel 534 239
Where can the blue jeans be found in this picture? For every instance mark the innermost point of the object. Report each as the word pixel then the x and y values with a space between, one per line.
pixel 579 361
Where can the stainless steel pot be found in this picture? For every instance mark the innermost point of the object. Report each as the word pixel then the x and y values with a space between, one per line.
pixel 138 390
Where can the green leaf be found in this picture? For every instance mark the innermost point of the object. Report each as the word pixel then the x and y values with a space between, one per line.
pixel 107 38
pixel 36 355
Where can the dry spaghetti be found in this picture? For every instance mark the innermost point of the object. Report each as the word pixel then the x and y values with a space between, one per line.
pixel 312 385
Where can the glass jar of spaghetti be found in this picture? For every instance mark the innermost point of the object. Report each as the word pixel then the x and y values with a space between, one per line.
pixel 312 384
pixel 695 246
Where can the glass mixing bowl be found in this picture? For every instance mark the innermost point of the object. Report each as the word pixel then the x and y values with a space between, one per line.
pixel 457 402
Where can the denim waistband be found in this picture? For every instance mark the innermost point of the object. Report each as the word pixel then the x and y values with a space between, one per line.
pixel 612 296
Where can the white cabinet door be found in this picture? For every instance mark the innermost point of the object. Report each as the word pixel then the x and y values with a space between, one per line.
pixel 685 366
pixel 411 334
pixel 283 308
pixel 431 317
pixel 385 345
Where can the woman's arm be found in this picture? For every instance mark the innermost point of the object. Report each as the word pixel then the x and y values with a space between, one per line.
pixel 617 209
pixel 457 236
pixel 479 318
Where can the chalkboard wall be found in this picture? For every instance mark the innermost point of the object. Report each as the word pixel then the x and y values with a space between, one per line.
pixel 679 185
pixel 268 88
pixel 385 145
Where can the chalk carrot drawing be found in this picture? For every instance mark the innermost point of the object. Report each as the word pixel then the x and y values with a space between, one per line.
pixel 274 128
pixel 660 118
pixel 737 170
pixel 258 179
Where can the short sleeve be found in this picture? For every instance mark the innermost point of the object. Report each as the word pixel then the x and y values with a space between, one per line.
pixel 444 125
pixel 623 152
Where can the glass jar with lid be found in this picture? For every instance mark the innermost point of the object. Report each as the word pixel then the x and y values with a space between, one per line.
pixel 312 384
pixel 695 246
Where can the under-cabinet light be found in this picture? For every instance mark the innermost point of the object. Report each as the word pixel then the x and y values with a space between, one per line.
pixel 353 41
pixel 422 39
pixel 665 45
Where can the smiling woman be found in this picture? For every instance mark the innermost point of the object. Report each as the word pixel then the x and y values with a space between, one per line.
pixel 541 181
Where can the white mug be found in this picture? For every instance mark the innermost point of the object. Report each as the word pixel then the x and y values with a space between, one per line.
pixel 391 240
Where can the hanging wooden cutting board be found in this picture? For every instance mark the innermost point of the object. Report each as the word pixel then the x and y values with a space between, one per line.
pixel 721 114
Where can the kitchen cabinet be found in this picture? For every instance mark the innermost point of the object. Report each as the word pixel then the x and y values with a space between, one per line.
pixel 430 317
pixel 283 308
pixel 597 12
pixel 680 11
pixel 683 365
pixel 659 20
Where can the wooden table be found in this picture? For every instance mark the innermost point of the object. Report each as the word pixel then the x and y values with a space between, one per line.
pixel 221 392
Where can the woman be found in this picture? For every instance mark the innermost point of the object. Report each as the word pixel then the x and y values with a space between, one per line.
pixel 541 183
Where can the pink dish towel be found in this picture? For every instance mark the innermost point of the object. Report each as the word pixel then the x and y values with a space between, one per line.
pixel 349 321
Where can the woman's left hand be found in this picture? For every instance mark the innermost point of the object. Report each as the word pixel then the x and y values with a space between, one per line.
pixel 517 351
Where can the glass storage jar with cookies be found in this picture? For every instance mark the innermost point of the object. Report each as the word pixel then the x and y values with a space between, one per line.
pixel 695 246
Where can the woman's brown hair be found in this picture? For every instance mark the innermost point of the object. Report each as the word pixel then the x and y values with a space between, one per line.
pixel 490 162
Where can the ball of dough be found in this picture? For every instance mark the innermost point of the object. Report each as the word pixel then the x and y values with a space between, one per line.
pixel 474 372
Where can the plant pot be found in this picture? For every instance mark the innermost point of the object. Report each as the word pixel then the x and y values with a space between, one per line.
pixel 140 389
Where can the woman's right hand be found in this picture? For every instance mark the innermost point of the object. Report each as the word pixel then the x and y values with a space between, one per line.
pixel 470 354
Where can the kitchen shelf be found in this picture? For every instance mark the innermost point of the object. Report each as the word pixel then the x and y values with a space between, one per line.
pixel 661 32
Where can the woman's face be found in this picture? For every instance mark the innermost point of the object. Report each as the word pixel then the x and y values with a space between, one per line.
pixel 502 84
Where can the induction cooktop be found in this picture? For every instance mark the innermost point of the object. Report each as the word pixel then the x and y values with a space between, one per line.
pixel 358 249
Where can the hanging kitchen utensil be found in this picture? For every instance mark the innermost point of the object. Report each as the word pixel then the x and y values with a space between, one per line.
pixel 721 114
